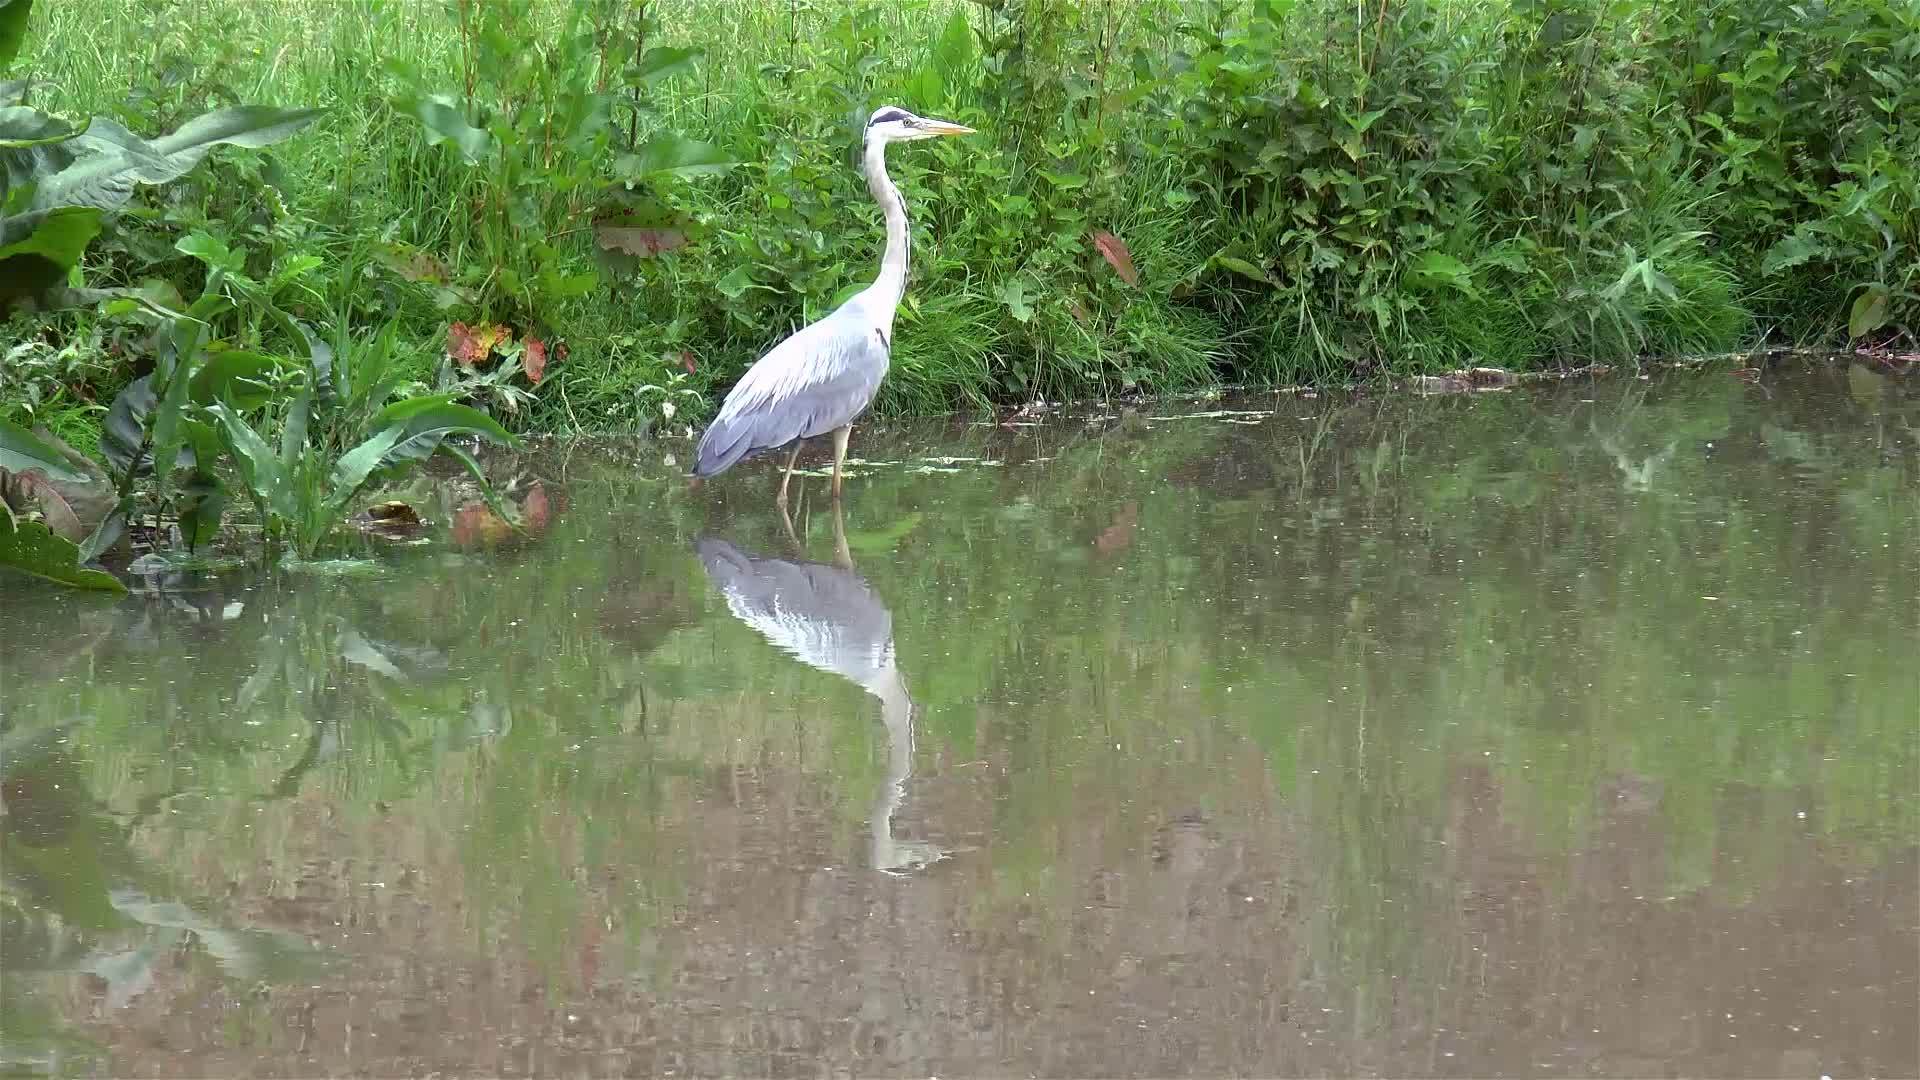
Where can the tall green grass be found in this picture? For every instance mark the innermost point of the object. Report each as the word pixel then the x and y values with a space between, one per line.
pixel 1309 190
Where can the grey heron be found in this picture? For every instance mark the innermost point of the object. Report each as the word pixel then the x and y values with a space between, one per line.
pixel 829 618
pixel 826 374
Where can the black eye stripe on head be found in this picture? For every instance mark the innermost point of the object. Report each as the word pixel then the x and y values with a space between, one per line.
pixel 886 115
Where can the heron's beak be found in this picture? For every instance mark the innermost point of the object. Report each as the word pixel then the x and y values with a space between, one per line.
pixel 943 127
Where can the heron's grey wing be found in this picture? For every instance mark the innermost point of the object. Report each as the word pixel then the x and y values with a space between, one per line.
pixel 812 383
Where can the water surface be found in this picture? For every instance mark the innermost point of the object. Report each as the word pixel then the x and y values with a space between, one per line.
pixel 1561 732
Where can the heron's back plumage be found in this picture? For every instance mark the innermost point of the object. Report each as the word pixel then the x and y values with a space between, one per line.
pixel 821 378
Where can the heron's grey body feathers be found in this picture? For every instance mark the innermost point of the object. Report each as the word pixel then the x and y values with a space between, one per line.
pixel 821 378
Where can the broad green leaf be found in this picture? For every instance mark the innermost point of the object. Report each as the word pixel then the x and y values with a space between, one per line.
pixel 13 30
pixel 669 153
pixel 1438 266
pixel 108 532
pixel 293 436
pixel 37 249
pixel 1013 293
pixel 410 432
pixel 21 127
pixel 258 466
pixel 1362 122
pixel 954 50
pixel 21 450
pixel 123 435
pixel 1063 181
pixel 211 250
pixel 446 122
pixel 203 499
pixel 357 464
pixel 1791 251
pixel 31 547
pixel 1869 311
pixel 736 283
pixel 116 159
pixel 1243 268
pixel 167 438
pixel 664 62
pixel 236 376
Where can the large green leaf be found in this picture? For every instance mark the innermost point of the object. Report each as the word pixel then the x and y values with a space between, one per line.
pixel 203 498
pixel 167 436
pixel 38 249
pixel 21 127
pixel 236 376
pixel 123 435
pixel 664 62
pixel 411 431
pixel 13 30
pixel 21 450
pixel 31 547
pixel 259 467
pixel 669 153
pixel 115 159
pixel 1869 311
pixel 446 122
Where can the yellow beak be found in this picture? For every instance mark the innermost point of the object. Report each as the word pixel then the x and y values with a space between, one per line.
pixel 943 127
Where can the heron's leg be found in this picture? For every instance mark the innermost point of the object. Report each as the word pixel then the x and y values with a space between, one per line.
pixel 780 500
pixel 840 436
pixel 842 557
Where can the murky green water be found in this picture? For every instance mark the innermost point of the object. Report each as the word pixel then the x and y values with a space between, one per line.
pixel 1560 732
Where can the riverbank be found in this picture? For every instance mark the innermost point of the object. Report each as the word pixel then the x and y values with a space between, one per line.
pixel 593 217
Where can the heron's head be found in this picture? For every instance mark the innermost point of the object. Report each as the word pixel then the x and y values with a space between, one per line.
pixel 891 123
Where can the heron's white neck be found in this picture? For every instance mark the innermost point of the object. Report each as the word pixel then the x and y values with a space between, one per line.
pixel 892 281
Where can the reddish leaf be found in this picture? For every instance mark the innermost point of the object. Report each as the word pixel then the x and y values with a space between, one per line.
pixel 533 360
pixel 460 343
pixel 1115 252
pixel 686 360
pixel 470 345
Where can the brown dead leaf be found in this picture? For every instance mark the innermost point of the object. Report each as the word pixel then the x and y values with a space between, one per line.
pixel 1114 250
pixel 533 360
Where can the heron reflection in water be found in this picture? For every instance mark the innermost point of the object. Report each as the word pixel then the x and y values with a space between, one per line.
pixel 828 617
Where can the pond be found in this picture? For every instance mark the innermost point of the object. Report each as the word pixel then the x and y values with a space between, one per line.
pixel 1566 730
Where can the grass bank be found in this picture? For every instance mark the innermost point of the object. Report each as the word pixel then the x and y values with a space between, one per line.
pixel 1165 195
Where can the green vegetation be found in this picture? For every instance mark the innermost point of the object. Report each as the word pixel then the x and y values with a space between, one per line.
pixel 592 214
